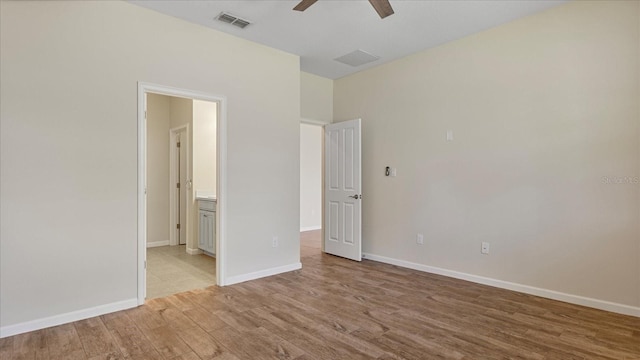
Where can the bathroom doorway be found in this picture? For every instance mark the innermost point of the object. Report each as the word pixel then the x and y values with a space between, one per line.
pixel 179 163
pixel 180 166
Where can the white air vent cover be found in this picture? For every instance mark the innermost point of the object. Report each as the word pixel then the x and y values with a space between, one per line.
pixel 233 20
pixel 357 58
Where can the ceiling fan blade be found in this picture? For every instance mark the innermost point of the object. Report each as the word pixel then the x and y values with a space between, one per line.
pixel 304 4
pixel 383 8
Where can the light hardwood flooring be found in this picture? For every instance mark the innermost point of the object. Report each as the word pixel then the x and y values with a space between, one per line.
pixel 310 243
pixel 339 309
pixel 171 270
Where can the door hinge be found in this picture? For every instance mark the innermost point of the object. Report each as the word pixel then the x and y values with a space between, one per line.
pixel 177 226
pixel 145 114
pixel 145 264
pixel 178 185
pixel 178 144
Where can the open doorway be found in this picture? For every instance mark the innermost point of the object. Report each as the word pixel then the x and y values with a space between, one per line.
pixel 311 164
pixel 181 166
pixel 181 171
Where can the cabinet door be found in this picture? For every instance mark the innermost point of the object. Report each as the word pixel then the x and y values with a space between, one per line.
pixel 202 230
pixel 211 236
pixel 207 231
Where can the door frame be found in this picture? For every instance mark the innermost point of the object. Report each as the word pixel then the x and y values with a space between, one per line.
pixel 173 163
pixel 221 175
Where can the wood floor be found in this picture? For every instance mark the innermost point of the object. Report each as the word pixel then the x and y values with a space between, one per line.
pixel 339 309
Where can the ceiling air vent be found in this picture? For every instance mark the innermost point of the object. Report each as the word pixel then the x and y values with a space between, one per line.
pixel 233 20
pixel 357 58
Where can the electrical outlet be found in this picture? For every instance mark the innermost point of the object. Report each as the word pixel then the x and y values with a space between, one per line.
pixel 449 135
pixel 274 242
pixel 420 239
pixel 485 248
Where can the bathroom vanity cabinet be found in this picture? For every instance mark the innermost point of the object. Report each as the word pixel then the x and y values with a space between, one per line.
pixel 207 226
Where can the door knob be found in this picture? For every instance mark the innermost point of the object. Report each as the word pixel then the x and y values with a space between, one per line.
pixel 356 196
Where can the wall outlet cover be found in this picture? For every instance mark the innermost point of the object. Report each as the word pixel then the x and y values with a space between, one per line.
pixel 449 135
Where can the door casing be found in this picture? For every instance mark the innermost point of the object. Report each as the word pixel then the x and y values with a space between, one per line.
pixel 173 163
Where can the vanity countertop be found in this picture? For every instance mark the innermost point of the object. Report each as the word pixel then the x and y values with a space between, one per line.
pixel 205 195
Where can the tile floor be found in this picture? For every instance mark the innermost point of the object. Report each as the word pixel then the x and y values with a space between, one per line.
pixel 171 270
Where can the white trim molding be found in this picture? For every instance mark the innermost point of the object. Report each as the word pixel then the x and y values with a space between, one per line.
pixel 310 228
pixel 173 163
pixel 263 273
pixel 194 251
pixel 157 243
pixel 69 317
pixel 531 290
pixel 314 122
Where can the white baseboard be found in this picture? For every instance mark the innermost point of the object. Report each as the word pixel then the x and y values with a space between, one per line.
pixel 550 294
pixel 158 243
pixel 310 228
pixel 55 320
pixel 262 273
pixel 194 251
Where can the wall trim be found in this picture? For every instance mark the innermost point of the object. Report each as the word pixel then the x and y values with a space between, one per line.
pixel 263 273
pixel 65 318
pixel 157 243
pixel 310 228
pixel 314 122
pixel 173 135
pixel 531 290
pixel 194 251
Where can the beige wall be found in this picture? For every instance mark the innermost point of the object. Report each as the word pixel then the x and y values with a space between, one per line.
pixel 310 177
pixel 316 98
pixel 165 113
pixel 68 141
pixel 158 124
pixel 181 112
pixel 204 158
pixel 204 145
pixel 543 110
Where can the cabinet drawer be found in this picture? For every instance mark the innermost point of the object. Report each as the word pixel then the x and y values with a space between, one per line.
pixel 207 205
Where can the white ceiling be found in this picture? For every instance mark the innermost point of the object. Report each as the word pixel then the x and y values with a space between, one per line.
pixel 332 28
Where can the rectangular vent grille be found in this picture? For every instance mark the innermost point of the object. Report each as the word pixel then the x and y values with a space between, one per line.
pixel 357 58
pixel 233 20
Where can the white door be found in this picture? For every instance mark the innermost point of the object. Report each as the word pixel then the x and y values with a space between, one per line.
pixel 342 189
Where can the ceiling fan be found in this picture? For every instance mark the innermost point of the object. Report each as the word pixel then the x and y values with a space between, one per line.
pixel 383 8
